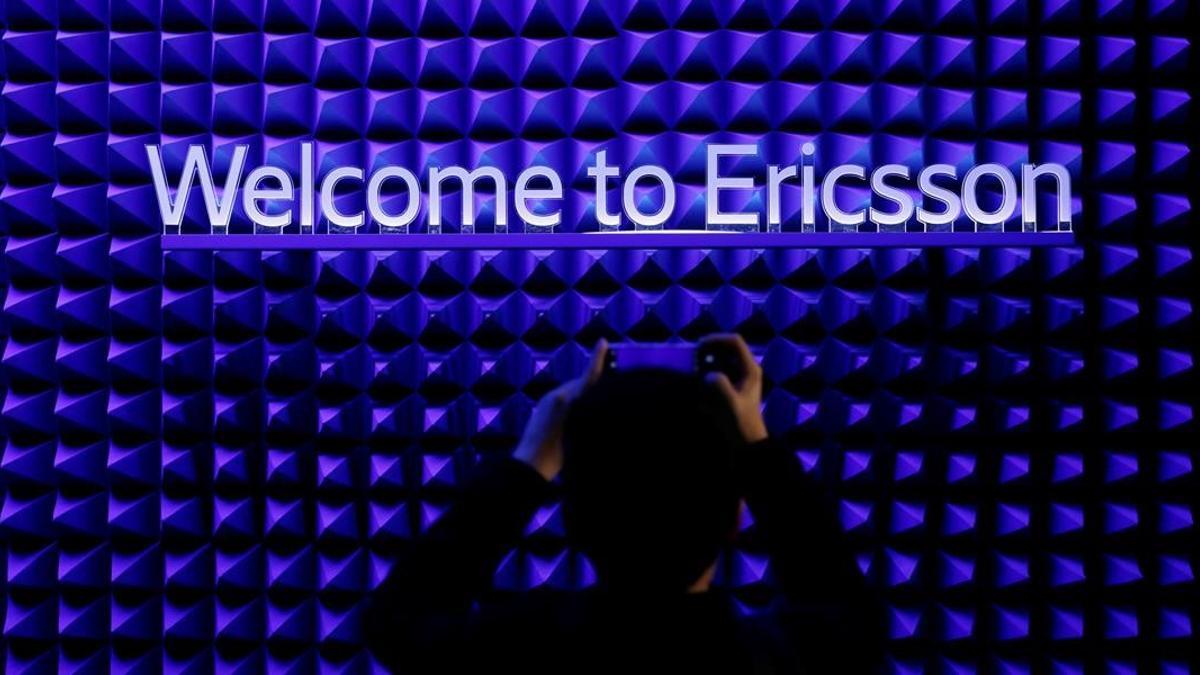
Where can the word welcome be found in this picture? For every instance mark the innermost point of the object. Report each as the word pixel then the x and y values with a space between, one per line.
pixel 268 194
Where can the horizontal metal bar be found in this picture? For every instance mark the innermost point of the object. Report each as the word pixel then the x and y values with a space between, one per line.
pixel 607 240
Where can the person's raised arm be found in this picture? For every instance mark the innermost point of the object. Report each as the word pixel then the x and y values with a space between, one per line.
pixel 827 597
pixel 418 617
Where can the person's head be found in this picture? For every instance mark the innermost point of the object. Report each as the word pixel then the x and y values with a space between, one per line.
pixel 649 488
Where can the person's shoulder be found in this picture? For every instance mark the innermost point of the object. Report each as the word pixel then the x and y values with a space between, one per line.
pixel 527 632
pixel 787 637
pixel 543 610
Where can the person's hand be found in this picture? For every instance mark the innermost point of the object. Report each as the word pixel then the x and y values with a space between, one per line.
pixel 541 444
pixel 745 397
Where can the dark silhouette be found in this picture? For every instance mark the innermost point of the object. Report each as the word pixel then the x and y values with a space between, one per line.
pixel 650 492
pixel 654 465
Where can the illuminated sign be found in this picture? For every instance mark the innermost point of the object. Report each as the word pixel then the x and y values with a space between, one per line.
pixel 898 198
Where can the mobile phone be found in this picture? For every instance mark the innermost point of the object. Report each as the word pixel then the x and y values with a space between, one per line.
pixel 701 359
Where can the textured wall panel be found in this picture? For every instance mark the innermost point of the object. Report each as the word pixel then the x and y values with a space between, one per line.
pixel 209 458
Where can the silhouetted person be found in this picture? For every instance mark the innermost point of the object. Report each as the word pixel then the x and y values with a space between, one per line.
pixel 654 465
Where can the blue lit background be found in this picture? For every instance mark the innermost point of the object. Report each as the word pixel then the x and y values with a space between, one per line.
pixel 209 458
